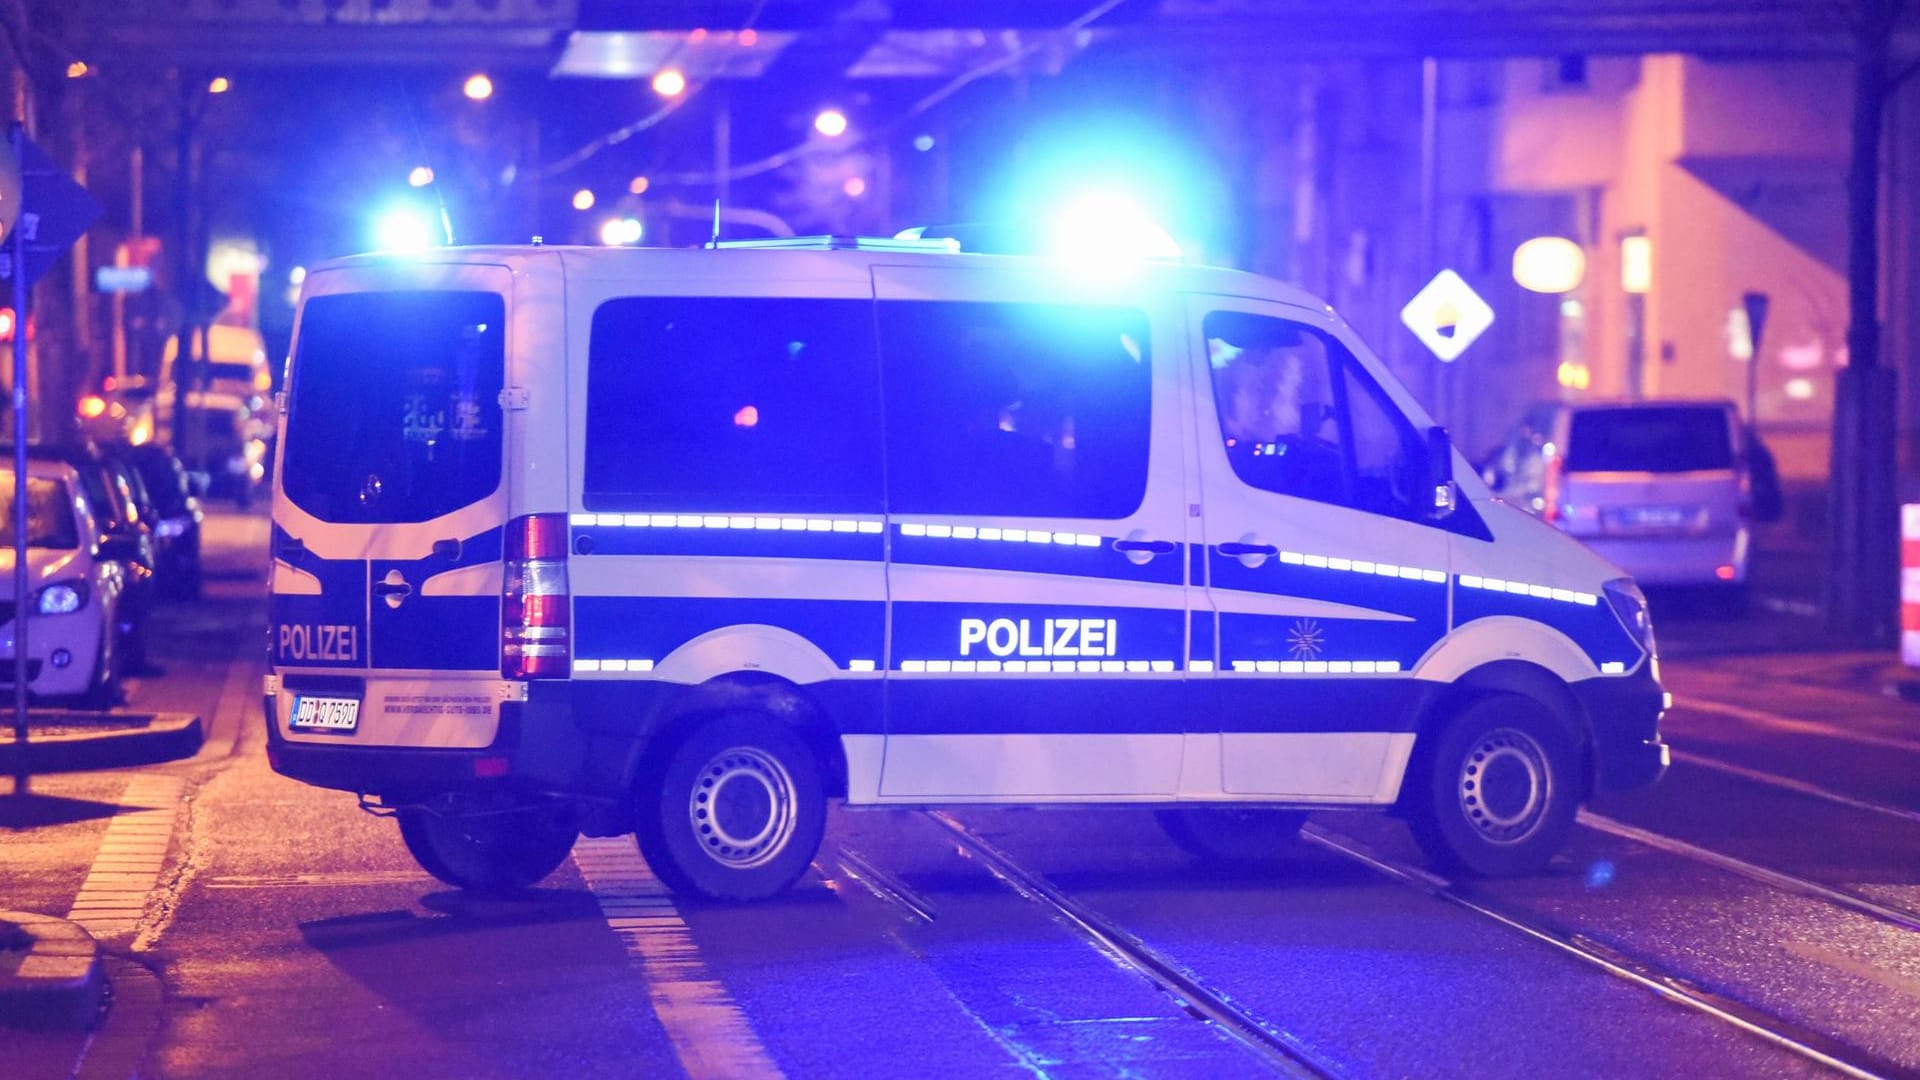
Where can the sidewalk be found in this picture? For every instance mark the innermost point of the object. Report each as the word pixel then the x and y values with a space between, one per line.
pixel 64 741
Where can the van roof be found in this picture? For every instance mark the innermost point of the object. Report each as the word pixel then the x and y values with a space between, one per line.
pixel 830 258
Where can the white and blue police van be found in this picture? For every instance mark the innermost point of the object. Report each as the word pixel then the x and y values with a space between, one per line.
pixel 689 543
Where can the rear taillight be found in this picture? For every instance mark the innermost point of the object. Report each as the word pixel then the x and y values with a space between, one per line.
pixel 1550 489
pixel 535 640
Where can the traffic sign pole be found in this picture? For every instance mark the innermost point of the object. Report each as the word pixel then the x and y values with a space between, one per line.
pixel 22 771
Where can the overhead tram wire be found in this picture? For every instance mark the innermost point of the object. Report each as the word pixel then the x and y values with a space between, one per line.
pixel 811 146
pixel 652 119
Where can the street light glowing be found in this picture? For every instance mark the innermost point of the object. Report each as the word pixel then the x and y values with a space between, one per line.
pixel 1549 264
pixel 478 87
pixel 1636 264
pixel 830 122
pixel 669 82
pixel 583 199
pixel 403 229
pixel 220 85
pixel 615 232
pixel 421 176
pixel 78 69
pixel 749 37
pixel 296 275
pixel 638 185
pixel 923 143
pixel 854 187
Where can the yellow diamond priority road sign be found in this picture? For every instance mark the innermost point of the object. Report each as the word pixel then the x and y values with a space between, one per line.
pixel 1447 315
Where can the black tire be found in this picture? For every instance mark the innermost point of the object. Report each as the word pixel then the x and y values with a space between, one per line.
pixel 733 811
pixel 104 691
pixel 1233 836
pixel 1494 792
pixel 489 853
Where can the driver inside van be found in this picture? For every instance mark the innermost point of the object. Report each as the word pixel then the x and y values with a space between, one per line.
pixel 1277 411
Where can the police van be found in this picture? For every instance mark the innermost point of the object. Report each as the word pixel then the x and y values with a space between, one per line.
pixel 688 543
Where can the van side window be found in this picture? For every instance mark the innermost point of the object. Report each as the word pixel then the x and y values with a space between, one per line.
pixel 1299 416
pixel 1021 410
pixel 732 404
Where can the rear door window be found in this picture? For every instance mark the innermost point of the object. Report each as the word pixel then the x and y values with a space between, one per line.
pixel 394 413
pixel 1657 439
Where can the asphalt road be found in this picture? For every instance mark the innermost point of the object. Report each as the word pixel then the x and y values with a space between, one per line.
pixel 1756 914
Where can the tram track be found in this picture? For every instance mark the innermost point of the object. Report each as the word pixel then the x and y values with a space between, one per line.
pixel 1285 1053
pixel 1665 983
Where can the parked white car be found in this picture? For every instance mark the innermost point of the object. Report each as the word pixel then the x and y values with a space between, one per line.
pixel 75 585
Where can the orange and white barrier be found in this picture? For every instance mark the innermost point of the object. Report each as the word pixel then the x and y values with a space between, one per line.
pixel 1910 584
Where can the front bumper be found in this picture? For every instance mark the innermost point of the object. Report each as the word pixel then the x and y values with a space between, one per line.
pixel 1623 713
pixel 75 636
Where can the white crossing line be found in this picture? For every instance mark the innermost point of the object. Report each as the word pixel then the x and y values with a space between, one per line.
pixel 709 1032
pixel 1776 722
pixel 132 854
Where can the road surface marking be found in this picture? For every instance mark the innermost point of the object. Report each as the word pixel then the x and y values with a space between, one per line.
pixel 1778 879
pixel 1776 722
pixel 1857 968
pixel 709 1032
pixel 1789 784
pixel 127 866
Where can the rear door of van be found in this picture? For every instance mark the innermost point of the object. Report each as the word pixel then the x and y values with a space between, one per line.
pixel 1663 476
pixel 1037 560
pixel 1325 583
pixel 391 500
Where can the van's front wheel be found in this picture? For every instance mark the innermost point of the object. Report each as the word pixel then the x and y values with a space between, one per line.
pixel 734 811
pixel 496 850
pixel 1496 794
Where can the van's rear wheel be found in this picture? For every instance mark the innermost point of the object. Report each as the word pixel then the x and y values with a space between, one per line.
pixel 1237 836
pixel 498 850
pixel 734 811
pixel 1496 795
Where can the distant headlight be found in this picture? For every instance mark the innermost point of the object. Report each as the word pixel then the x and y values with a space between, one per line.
pixel 1631 605
pixel 170 528
pixel 63 598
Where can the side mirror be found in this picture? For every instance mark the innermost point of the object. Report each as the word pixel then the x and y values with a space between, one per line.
pixel 1445 494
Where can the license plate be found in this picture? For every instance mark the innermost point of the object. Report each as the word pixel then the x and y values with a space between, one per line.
pixel 325 714
pixel 1656 518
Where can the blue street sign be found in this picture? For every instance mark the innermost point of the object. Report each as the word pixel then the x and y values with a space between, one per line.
pixel 54 212
pixel 122 279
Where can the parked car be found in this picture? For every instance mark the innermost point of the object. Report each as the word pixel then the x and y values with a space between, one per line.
pixel 76 579
pixel 1664 489
pixel 224 445
pixel 109 493
pixel 176 515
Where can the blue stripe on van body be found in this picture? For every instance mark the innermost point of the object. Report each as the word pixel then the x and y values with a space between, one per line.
pixel 1594 628
pixel 1423 604
pixel 1042 706
pixel 651 627
pixel 1049 558
pixel 310 631
pixel 749 543
pixel 1200 632
pixel 932 631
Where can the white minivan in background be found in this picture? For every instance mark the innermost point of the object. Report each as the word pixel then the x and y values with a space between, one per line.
pixel 687 543
pixel 1663 489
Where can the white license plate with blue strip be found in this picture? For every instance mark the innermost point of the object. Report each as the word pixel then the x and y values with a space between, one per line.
pixel 325 714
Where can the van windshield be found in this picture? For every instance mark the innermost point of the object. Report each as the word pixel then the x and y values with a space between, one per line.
pixel 394 412
pixel 1658 439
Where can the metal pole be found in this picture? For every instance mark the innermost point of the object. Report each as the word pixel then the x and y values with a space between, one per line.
pixel 21 771
pixel 1437 401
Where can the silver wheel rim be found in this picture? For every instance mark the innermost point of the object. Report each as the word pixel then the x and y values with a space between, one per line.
pixel 742 808
pixel 1505 786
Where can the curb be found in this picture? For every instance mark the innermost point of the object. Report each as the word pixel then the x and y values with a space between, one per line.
pixel 58 980
pixel 162 737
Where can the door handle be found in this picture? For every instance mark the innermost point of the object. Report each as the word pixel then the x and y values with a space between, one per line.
pixel 1152 547
pixel 447 549
pixel 1244 550
pixel 393 589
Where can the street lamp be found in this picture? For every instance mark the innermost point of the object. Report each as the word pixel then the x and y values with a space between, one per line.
pixel 478 87
pixel 421 176
pixel 220 85
pixel 583 199
pixel 669 83
pixel 830 122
